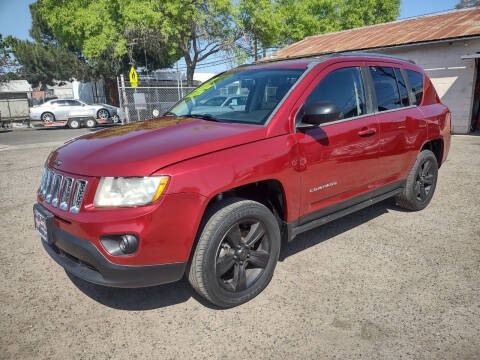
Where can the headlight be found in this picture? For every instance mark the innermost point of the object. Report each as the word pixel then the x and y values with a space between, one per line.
pixel 129 191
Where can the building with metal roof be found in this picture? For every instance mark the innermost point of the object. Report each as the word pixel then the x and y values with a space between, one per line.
pixel 446 45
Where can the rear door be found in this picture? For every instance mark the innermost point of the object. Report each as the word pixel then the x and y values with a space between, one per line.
pixel 338 160
pixel 399 120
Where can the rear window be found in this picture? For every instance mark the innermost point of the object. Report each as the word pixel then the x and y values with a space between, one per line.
pixel 386 90
pixel 416 83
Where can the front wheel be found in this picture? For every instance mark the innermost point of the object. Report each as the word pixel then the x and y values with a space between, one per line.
pixel 236 254
pixel 103 114
pixel 421 183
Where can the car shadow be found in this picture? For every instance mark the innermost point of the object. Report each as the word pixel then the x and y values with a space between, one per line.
pixel 156 297
pixel 137 299
pixel 325 232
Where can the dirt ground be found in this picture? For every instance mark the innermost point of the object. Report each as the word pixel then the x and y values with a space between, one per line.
pixel 379 284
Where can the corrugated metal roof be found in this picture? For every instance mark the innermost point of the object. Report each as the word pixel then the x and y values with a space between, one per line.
pixel 15 86
pixel 449 25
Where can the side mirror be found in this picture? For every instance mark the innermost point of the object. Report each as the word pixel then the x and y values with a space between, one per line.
pixel 319 112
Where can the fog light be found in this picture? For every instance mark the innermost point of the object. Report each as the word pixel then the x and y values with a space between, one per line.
pixel 120 245
pixel 128 244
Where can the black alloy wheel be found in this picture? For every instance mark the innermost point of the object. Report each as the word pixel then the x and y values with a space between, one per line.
pixel 236 253
pixel 424 181
pixel 420 184
pixel 242 255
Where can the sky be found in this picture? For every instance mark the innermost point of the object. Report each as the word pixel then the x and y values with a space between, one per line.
pixel 15 20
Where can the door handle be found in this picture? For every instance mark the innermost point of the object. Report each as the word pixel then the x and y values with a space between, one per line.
pixel 367 132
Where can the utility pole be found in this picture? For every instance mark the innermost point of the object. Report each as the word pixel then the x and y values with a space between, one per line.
pixel 125 100
pixel 178 82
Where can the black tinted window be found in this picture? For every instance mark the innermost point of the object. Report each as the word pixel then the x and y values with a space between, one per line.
pixel 386 89
pixel 416 83
pixel 402 87
pixel 343 87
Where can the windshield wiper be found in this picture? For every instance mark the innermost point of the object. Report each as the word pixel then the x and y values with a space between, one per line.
pixel 169 113
pixel 203 117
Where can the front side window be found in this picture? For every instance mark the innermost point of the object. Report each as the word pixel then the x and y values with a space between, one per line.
pixel 416 83
pixel 343 87
pixel 73 103
pixel 386 90
pixel 258 92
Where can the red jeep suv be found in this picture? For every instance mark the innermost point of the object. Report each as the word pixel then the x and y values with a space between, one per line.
pixel 211 193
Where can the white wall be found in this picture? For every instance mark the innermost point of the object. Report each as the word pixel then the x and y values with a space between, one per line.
pixel 452 77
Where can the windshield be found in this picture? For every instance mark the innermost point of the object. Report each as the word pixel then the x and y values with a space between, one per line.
pixel 240 96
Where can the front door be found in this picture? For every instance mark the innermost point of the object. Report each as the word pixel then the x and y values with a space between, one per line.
pixel 338 160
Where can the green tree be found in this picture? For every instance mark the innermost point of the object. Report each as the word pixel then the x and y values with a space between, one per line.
pixel 313 17
pixel 109 32
pixel 467 3
pixel 261 23
pixel 45 63
pixel 105 33
pixel 7 63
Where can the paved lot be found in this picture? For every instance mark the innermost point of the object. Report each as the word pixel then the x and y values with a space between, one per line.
pixel 378 284
pixel 30 138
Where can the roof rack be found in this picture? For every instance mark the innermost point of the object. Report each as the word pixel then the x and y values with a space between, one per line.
pixel 374 55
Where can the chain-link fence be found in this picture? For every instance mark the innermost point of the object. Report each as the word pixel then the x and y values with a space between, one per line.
pixel 143 103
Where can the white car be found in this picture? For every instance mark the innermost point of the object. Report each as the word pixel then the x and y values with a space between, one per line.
pixel 67 112
pixel 221 104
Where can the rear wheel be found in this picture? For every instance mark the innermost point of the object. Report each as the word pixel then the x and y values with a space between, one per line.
pixel 73 124
pixel 421 183
pixel 48 117
pixel 236 254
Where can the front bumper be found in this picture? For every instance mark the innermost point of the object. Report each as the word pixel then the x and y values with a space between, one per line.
pixel 83 259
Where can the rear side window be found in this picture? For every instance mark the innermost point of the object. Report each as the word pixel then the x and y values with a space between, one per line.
pixel 416 83
pixel 386 90
pixel 402 87
pixel 343 87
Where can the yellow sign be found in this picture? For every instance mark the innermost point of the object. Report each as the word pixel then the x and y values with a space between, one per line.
pixel 133 77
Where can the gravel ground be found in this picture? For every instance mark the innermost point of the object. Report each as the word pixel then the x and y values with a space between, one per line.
pixel 379 284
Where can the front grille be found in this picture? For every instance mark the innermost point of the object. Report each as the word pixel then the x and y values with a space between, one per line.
pixel 57 189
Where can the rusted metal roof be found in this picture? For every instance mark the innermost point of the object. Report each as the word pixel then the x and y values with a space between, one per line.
pixel 448 25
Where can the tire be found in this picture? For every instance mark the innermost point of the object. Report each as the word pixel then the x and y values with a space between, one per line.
pixel 48 117
pixel 90 123
pixel 103 114
pixel 421 183
pixel 73 124
pixel 246 269
pixel 115 119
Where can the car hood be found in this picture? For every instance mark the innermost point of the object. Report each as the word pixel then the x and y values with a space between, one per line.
pixel 141 148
